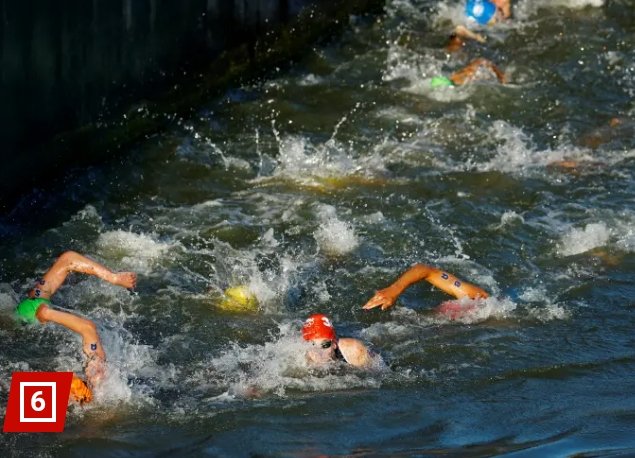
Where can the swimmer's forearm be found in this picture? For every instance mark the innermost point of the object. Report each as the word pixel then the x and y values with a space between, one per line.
pixel 455 287
pixel 82 326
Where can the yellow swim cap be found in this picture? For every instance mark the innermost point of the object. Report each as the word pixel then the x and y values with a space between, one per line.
pixel 239 299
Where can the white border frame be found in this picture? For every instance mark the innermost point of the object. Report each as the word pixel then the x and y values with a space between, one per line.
pixel 52 419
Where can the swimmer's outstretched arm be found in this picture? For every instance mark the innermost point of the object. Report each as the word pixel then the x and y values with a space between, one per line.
pixel 385 298
pixel 467 73
pixel 71 261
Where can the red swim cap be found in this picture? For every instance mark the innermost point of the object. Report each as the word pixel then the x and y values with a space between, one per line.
pixel 318 326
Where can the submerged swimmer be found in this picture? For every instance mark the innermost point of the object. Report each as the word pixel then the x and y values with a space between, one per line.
pixel 468 74
pixel 617 129
pixel 385 298
pixel 37 308
pixel 319 331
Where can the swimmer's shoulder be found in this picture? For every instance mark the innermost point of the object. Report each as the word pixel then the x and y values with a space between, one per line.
pixel 354 351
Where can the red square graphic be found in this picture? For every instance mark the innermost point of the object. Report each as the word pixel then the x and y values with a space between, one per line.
pixel 37 402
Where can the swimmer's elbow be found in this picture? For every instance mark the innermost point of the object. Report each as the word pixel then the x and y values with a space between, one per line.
pixel 88 329
pixel 68 256
pixel 422 270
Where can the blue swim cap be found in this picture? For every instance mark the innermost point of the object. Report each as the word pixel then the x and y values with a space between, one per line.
pixel 482 11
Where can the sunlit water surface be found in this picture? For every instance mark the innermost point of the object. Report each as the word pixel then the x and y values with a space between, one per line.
pixel 317 186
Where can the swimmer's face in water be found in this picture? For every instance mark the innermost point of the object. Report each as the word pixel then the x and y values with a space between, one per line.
pixel 321 351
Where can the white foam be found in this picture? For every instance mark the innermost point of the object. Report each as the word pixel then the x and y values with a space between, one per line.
pixel 232 267
pixel 623 231
pixel 543 308
pixel 136 252
pixel 572 4
pixel 492 307
pixel 509 218
pixel 8 298
pixel 450 12
pixel 334 237
pixel 278 366
pixel 310 80
pixel 524 10
pixel 374 218
pixel 87 214
pixel 516 152
pixel 126 361
pixel 391 331
pixel 578 241
pixel 304 162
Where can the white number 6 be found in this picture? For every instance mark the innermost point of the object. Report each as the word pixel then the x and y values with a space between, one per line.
pixel 37 403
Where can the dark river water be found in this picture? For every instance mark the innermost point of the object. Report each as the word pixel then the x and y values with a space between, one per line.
pixel 318 185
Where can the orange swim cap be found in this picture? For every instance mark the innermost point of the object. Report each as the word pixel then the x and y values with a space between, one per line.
pixel 79 391
pixel 318 326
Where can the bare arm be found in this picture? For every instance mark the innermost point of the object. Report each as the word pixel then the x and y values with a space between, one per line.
pixel 444 281
pixel 71 261
pixel 91 345
pixel 467 73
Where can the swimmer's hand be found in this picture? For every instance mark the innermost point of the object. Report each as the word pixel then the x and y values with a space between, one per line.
pixel 79 391
pixel 384 297
pixel 127 280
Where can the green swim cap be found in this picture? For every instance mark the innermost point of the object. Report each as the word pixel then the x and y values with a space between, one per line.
pixel 27 309
pixel 441 81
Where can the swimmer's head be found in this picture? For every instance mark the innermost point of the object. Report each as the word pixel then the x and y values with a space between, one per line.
pixel 239 299
pixel 481 11
pixel 319 330
pixel 318 326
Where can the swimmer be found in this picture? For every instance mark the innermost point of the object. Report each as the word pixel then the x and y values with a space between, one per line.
pixel 487 12
pixel 479 13
pixel 617 129
pixel 319 331
pixel 385 298
pixel 468 74
pixel 37 308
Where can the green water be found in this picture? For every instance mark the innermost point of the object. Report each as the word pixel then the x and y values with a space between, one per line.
pixel 317 186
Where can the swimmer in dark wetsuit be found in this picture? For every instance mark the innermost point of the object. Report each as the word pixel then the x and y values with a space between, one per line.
pixel 385 298
pixel 37 308
pixel 326 347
